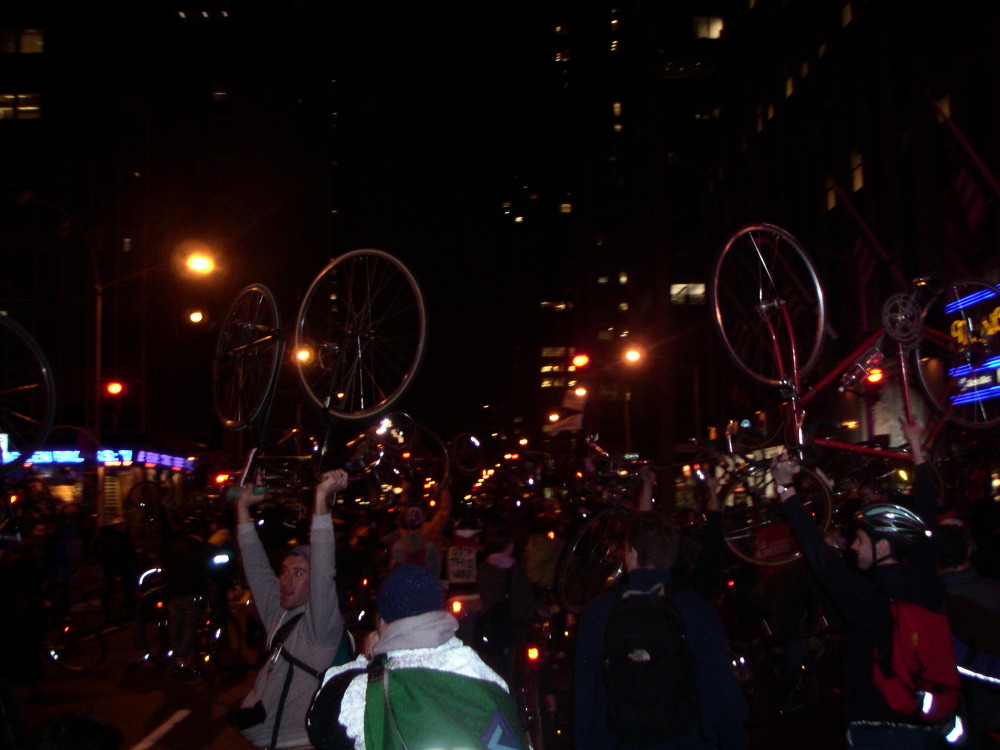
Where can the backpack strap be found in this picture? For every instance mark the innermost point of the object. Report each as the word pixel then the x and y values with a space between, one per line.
pixel 377 672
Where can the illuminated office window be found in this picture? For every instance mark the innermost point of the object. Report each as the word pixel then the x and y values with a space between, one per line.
pixel 846 14
pixel 857 171
pixel 616 108
pixel 602 279
pixel 623 306
pixel 623 277
pixel 565 208
pixel 804 69
pixel 789 86
pixel 707 27
pixel 553 351
pixel 20 106
pixel 687 294
pixel 31 42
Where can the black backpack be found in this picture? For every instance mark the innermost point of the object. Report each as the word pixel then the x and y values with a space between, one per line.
pixel 648 669
pixel 493 630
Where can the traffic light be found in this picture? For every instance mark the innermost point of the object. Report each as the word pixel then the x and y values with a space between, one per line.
pixel 114 388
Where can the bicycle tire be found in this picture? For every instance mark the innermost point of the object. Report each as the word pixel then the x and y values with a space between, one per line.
pixel 467 454
pixel 153 626
pixel 765 289
pixel 27 394
pixel 591 561
pixel 957 359
pixel 75 646
pixel 247 356
pixel 363 325
pixel 753 524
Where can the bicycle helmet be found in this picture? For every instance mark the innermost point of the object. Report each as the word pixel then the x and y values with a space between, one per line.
pixel 901 526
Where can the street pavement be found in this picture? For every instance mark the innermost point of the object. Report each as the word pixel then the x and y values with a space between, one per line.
pixel 157 708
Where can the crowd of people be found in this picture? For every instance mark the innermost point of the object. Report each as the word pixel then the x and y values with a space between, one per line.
pixel 651 667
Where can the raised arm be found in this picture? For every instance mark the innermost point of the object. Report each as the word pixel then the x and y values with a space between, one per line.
pixel 323 619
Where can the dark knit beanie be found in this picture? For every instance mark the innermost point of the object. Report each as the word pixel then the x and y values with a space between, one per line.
pixel 407 591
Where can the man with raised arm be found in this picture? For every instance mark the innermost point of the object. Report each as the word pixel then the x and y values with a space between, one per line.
pixel 894 558
pixel 301 613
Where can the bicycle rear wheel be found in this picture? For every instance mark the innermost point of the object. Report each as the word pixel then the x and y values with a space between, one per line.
pixel 74 646
pixel 221 643
pixel 768 304
pixel 753 525
pixel 958 355
pixel 360 334
pixel 592 559
pixel 27 394
pixel 247 356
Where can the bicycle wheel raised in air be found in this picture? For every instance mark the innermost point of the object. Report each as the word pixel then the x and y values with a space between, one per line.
pixel 247 357
pixel 27 394
pixel 74 646
pixel 958 354
pixel 768 304
pixel 360 334
pixel 753 524
pixel 592 559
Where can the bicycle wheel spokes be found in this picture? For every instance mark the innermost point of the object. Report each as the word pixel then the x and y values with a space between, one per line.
pixel 768 304
pixel 754 528
pixel 958 355
pixel 591 561
pixel 360 334
pixel 75 647
pixel 247 357
pixel 27 394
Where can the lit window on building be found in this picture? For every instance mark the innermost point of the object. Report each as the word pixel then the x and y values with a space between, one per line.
pixel 562 56
pixel 618 127
pixel 789 86
pixel 565 208
pixel 687 294
pixel 857 171
pixel 546 384
pixel 623 277
pixel 614 25
pixel 623 306
pixel 846 14
pixel 553 351
pixel 20 106
pixel 708 27
pixel 804 69
pixel 614 45
pixel 518 219
pixel 220 95
pixel 770 111
pixel 603 335
pixel 559 383
pixel 616 108
pixel 556 306
pixel 831 194
pixel 31 42
pixel 561 30
pixel 602 279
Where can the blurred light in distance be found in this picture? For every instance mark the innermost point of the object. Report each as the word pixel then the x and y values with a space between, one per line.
pixel 456 607
pixel 196 317
pixel 633 355
pixel 221 478
pixel 553 417
pixel 304 354
pixel 522 441
pixel 200 263
pixel 115 388
pixel 533 653
pixel 581 360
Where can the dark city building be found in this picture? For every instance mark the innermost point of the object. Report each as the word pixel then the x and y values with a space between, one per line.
pixel 558 176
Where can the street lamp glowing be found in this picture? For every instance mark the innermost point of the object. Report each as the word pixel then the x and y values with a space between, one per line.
pixel 196 317
pixel 633 355
pixel 580 391
pixel 200 263
pixel 581 360
pixel 115 388
pixel 554 417
pixel 304 354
